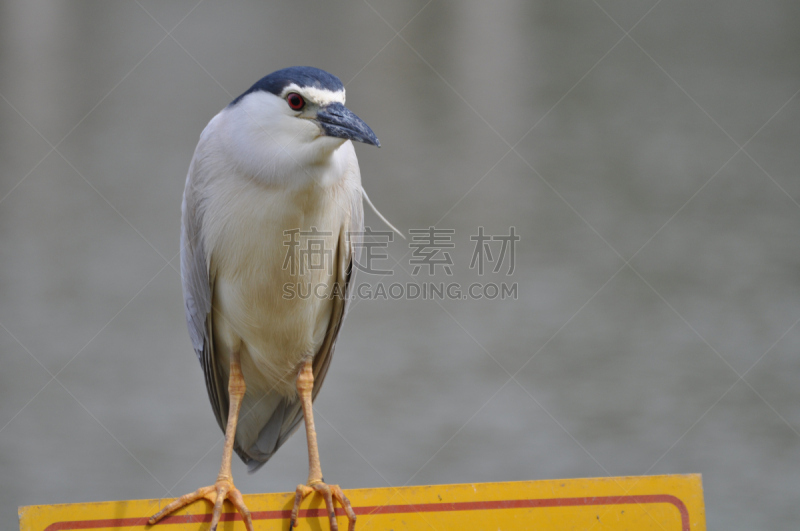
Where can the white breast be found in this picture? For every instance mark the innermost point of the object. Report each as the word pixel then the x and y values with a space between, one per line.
pixel 244 226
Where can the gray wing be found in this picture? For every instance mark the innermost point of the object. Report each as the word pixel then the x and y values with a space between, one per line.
pixel 286 417
pixel 197 290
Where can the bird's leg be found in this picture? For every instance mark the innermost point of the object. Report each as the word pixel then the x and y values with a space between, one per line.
pixel 223 488
pixel 305 384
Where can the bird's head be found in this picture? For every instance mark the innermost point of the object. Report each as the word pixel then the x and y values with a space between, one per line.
pixel 295 116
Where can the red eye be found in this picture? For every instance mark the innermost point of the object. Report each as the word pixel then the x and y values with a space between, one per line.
pixel 295 101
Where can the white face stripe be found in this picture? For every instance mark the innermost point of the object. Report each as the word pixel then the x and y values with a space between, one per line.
pixel 317 95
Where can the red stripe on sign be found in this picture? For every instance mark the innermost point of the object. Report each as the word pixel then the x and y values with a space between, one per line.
pixel 393 509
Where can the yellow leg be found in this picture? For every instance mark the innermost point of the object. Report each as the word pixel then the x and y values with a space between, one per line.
pixel 223 488
pixel 305 384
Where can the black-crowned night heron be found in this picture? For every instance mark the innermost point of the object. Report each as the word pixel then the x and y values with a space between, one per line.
pixel 275 164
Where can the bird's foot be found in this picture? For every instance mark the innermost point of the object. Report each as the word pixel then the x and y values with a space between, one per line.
pixel 329 493
pixel 216 494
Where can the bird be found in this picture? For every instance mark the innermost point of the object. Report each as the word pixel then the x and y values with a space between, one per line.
pixel 274 175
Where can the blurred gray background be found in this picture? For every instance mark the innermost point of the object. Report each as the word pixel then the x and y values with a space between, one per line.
pixel 652 177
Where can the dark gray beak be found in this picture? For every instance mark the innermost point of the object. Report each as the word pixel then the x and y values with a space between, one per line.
pixel 338 121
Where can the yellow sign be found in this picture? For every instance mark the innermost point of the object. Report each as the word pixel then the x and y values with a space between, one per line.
pixel 662 503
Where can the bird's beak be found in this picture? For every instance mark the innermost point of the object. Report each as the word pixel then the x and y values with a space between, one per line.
pixel 338 121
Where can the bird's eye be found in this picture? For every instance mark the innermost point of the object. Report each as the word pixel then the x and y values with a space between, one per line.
pixel 295 101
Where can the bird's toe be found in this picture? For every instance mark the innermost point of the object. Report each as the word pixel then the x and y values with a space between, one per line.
pixel 217 494
pixel 331 494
